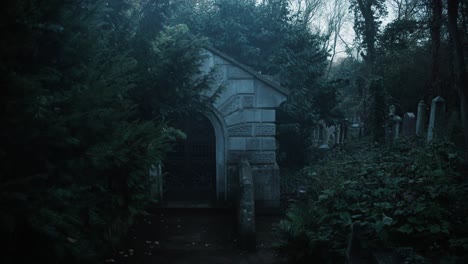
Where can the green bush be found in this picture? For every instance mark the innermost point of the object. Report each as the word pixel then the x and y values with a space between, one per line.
pixel 410 199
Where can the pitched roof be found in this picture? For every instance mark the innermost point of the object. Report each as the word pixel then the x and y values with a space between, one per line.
pixel 246 68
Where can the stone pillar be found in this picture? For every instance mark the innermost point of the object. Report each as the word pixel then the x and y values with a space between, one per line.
pixel 396 126
pixel 409 124
pixel 436 119
pixel 421 119
pixel 246 207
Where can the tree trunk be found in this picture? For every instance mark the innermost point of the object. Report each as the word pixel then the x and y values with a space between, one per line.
pixel 374 87
pixel 460 66
pixel 436 23
pixel 370 31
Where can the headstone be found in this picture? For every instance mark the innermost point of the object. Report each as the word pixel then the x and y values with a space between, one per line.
pixel 396 127
pixel 331 135
pixel 155 172
pixel 392 111
pixel 409 124
pixel 324 144
pixel 355 130
pixel 316 136
pixel 421 119
pixel 325 136
pixel 338 134
pixel 436 119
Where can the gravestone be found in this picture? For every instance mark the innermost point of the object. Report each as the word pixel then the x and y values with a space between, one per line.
pixel 329 135
pixel 396 127
pixel 325 136
pixel 436 120
pixel 409 125
pixel 355 130
pixel 421 119
pixel 338 134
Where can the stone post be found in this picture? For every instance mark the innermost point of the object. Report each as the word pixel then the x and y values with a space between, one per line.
pixel 436 119
pixel 421 119
pixel 409 124
pixel 246 207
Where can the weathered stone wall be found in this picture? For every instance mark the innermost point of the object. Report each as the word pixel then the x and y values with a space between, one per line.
pixel 246 106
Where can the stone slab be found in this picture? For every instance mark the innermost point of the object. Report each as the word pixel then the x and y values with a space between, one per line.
pixel 268 115
pixel 254 157
pixel 268 143
pixel 265 129
pixel 241 130
pixel 244 116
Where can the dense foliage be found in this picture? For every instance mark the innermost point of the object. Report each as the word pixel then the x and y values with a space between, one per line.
pixel 78 134
pixel 408 199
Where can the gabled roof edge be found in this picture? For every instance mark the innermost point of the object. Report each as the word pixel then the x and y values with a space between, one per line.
pixel 246 68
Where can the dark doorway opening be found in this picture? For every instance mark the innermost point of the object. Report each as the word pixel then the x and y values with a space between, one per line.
pixel 191 165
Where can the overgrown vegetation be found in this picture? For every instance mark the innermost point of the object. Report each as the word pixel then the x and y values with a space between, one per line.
pixel 408 198
pixel 83 120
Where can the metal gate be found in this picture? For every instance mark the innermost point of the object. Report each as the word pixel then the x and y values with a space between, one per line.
pixel 191 166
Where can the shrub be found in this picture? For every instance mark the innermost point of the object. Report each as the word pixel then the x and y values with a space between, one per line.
pixel 409 198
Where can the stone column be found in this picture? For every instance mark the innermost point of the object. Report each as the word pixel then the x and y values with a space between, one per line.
pixel 436 119
pixel 421 119
pixel 409 124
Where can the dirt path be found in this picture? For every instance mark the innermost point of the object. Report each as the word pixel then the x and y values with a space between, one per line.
pixel 205 236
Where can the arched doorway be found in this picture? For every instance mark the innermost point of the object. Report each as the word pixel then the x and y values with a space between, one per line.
pixel 191 166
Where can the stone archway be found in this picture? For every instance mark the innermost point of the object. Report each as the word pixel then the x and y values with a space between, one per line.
pixel 195 171
pixel 221 154
pixel 191 165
